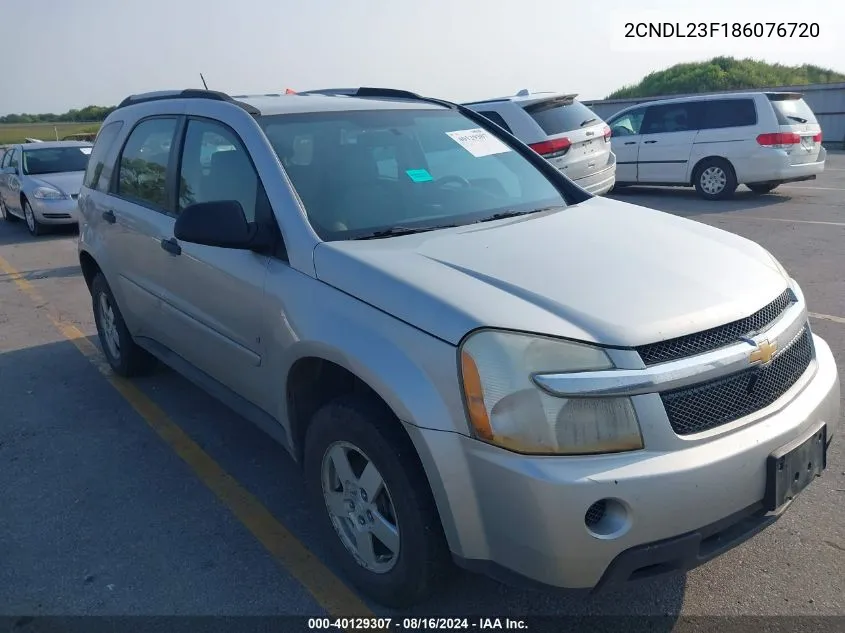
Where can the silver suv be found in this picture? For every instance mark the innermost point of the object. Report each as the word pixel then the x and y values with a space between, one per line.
pixel 471 358
pixel 562 130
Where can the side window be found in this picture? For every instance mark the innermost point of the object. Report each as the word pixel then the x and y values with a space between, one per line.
pixel 675 117
pixel 215 166
pixel 497 118
pixel 721 113
pixel 628 124
pixel 7 155
pixel 143 162
pixel 104 142
pixel 13 158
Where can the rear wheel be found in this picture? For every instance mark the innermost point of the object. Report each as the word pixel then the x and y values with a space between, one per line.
pixel 5 213
pixel 762 188
pixel 372 498
pixel 125 357
pixel 715 179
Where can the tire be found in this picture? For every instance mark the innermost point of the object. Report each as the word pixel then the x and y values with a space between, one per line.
pixel 762 188
pixel 715 179
pixel 362 429
pixel 8 217
pixel 35 227
pixel 122 353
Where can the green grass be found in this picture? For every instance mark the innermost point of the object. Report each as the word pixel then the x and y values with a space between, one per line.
pixel 17 132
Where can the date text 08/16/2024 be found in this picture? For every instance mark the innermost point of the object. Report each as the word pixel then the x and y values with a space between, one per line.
pixel 416 624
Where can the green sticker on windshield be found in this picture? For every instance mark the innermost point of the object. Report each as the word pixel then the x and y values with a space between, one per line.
pixel 419 175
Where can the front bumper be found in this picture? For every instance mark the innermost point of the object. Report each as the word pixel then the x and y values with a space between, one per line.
pixel 516 516
pixel 64 211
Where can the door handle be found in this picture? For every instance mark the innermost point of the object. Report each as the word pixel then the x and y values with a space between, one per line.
pixel 171 246
pixel 647 142
pixel 630 142
pixel 109 217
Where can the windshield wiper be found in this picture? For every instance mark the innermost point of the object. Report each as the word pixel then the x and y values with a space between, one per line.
pixel 512 214
pixel 796 118
pixel 395 231
pixel 583 123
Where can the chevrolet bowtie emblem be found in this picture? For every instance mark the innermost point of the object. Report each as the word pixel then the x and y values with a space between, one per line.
pixel 764 352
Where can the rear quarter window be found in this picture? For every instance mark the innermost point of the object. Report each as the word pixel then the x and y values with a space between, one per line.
pixel 722 113
pixel 96 162
pixel 556 117
pixel 793 112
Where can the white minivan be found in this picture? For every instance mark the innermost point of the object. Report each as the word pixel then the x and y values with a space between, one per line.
pixel 717 142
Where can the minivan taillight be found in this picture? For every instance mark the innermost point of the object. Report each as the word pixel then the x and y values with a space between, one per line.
pixel 550 149
pixel 606 132
pixel 817 138
pixel 779 139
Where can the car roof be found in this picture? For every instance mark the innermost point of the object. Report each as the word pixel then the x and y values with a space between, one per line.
pixel 299 103
pixel 269 104
pixel 712 96
pixel 55 144
pixel 523 97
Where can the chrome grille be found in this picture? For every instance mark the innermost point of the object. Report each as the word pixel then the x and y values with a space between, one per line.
pixel 720 401
pixel 716 337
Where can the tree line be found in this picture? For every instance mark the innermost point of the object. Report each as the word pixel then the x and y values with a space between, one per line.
pixel 85 115
pixel 725 73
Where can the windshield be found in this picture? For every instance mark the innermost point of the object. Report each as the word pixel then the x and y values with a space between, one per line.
pixel 55 160
pixel 362 172
pixel 793 112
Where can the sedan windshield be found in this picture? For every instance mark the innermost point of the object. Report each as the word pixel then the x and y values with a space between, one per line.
pixel 378 173
pixel 55 160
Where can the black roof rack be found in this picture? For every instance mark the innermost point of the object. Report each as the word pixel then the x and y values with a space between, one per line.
pixel 188 93
pixel 379 93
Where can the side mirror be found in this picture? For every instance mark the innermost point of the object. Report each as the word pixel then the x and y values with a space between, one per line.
pixel 220 223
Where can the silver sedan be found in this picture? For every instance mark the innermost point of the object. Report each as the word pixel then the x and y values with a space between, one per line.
pixel 39 183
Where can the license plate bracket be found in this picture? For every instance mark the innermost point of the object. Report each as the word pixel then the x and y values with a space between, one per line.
pixel 793 466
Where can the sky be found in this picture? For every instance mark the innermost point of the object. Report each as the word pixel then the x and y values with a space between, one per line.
pixel 74 53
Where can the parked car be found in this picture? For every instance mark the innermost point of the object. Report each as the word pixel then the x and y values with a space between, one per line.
pixel 471 358
pixel 560 128
pixel 717 142
pixel 40 183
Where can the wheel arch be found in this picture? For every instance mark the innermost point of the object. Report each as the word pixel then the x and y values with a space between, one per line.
pixel 694 171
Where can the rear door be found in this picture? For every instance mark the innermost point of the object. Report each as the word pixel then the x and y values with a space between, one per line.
pixel 12 182
pixel 795 117
pixel 577 141
pixel 135 217
pixel 625 141
pixel 668 133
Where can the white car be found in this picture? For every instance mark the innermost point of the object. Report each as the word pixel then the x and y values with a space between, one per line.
pixel 717 142
pixel 562 130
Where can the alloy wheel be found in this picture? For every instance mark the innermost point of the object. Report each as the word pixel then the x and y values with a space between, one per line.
pixel 713 180
pixel 360 507
pixel 109 326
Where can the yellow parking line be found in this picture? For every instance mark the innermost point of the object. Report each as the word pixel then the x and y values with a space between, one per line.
pixel 328 590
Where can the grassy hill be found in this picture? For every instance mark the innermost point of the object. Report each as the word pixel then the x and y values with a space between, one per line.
pixel 17 132
pixel 725 73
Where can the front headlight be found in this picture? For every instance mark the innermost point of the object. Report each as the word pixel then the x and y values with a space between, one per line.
pixel 506 408
pixel 48 193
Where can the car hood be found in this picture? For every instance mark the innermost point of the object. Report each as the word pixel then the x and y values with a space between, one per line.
pixel 69 183
pixel 601 271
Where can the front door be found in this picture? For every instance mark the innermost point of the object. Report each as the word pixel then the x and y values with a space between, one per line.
pixel 213 297
pixel 668 133
pixel 625 141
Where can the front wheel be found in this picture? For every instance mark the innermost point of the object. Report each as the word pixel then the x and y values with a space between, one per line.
pixel 763 188
pixel 715 179
pixel 372 497
pixel 35 227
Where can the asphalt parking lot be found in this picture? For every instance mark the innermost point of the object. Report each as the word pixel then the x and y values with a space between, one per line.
pixel 150 498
